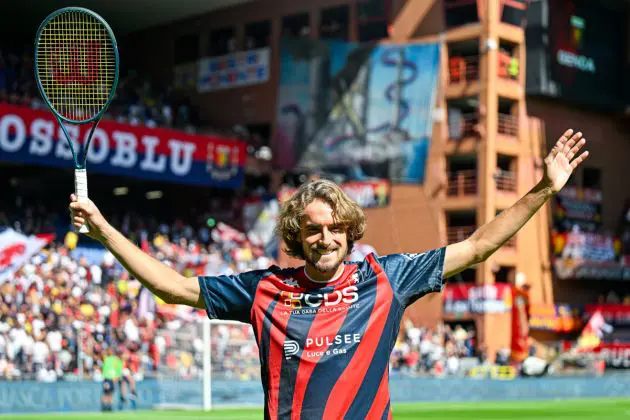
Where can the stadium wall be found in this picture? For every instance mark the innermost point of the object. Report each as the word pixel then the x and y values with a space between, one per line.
pixel 38 397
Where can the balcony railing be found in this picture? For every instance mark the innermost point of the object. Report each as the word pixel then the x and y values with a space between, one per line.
pixel 508 124
pixel 462 125
pixel 462 183
pixel 506 180
pixel 459 233
pixel 463 69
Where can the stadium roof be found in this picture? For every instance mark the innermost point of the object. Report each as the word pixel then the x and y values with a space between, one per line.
pixel 124 16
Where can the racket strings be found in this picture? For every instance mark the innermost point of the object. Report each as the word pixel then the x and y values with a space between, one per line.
pixel 76 65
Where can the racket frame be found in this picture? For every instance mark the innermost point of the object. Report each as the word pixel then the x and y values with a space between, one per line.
pixel 80 171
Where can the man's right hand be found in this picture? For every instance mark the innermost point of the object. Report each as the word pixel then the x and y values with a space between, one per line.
pixel 85 211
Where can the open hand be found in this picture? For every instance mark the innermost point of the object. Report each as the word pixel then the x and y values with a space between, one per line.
pixel 562 160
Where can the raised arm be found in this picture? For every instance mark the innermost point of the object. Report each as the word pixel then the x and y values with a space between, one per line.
pixel 558 167
pixel 163 281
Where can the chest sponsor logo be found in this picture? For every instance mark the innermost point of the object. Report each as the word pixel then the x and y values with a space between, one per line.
pixel 349 294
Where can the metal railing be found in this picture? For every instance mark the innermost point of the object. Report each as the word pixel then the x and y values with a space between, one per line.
pixel 506 180
pixel 462 183
pixel 508 125
pixel 463 69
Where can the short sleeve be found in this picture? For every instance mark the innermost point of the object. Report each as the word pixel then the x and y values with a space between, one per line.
pixel 414 275
pixel 230 297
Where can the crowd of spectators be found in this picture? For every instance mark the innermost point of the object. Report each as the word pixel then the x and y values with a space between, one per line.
pixel 61 310
pixel 434 351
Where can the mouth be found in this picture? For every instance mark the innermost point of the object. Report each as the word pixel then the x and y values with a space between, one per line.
pixel 323 252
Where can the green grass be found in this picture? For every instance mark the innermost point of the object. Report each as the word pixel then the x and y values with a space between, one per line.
pixel 591 409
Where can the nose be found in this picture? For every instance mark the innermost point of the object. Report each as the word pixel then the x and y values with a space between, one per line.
pixel 326 237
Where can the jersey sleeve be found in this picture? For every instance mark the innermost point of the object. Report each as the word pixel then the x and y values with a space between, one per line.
pixel 414 275
pixel 230 297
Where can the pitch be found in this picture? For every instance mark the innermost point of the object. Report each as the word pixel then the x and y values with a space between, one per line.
pixel 592 409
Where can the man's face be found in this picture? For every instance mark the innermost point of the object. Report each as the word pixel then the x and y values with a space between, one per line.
pixel 325 243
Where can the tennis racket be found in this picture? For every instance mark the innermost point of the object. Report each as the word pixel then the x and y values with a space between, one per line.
pixel 76 68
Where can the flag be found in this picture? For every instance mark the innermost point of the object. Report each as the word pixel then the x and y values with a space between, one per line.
pixel 593 333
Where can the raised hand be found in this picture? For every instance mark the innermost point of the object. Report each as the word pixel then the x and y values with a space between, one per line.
pixel 562 160
pixel 86 212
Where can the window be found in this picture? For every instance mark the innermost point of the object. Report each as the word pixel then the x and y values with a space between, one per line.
pixel 296 25
pixel 460 12
pixel 186 49
pixel 257 35
pixel 504 274
pixel 371 32
pixel 222 42
pixel 334 23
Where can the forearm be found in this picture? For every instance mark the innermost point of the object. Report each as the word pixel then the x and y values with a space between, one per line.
pixel 160 279
pixel 491 236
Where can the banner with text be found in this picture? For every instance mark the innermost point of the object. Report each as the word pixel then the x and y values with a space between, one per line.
pixel 556 318
pixel 588 255
pixel 581 207
pixel 241 68
pixel 160 154
pixel 465 299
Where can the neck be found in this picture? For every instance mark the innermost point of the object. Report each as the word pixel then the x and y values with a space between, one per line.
pixel 318 277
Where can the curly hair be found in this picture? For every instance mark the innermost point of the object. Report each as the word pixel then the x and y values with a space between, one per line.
pixel 346 212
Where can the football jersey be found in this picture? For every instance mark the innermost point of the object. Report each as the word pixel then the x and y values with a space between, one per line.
pixel 324 347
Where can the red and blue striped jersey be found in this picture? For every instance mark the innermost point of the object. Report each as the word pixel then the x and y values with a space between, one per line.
pixel 324 349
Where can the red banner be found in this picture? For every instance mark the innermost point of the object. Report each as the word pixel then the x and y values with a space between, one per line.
pixel 616 355
pixel 614 314
pixel 162 154
pixel 461 300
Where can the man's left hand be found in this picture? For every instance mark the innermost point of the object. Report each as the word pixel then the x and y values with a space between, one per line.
pixel 562 160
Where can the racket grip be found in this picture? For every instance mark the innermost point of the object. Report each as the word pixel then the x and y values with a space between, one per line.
pixel 81 190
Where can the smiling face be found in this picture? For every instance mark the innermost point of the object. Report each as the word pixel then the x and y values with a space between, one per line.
pixel 324 242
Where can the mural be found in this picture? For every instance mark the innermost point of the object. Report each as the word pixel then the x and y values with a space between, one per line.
pixel 364 111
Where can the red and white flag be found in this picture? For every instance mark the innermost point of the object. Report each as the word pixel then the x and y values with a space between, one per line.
pixel 15 250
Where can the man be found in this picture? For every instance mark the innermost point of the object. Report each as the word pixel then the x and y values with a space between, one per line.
pixel 112 371
pixel 325 330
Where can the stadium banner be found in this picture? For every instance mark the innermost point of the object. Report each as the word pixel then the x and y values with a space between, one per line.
pixel 364 111
pixel 615 314
pixel 243 68
pixel 462 300
pixel 579 255
pixel 555 318
pixel 159 154
pixel 615 355
pixel 368 194
pixel 581 207
pixel 15 250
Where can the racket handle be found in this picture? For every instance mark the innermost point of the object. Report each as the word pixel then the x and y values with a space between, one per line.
pixel 81 190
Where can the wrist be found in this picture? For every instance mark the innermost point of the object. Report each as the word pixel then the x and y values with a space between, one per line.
pixel 546 188
pixel 106 233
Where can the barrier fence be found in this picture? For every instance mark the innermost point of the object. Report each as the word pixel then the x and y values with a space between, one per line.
pixel 38 397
